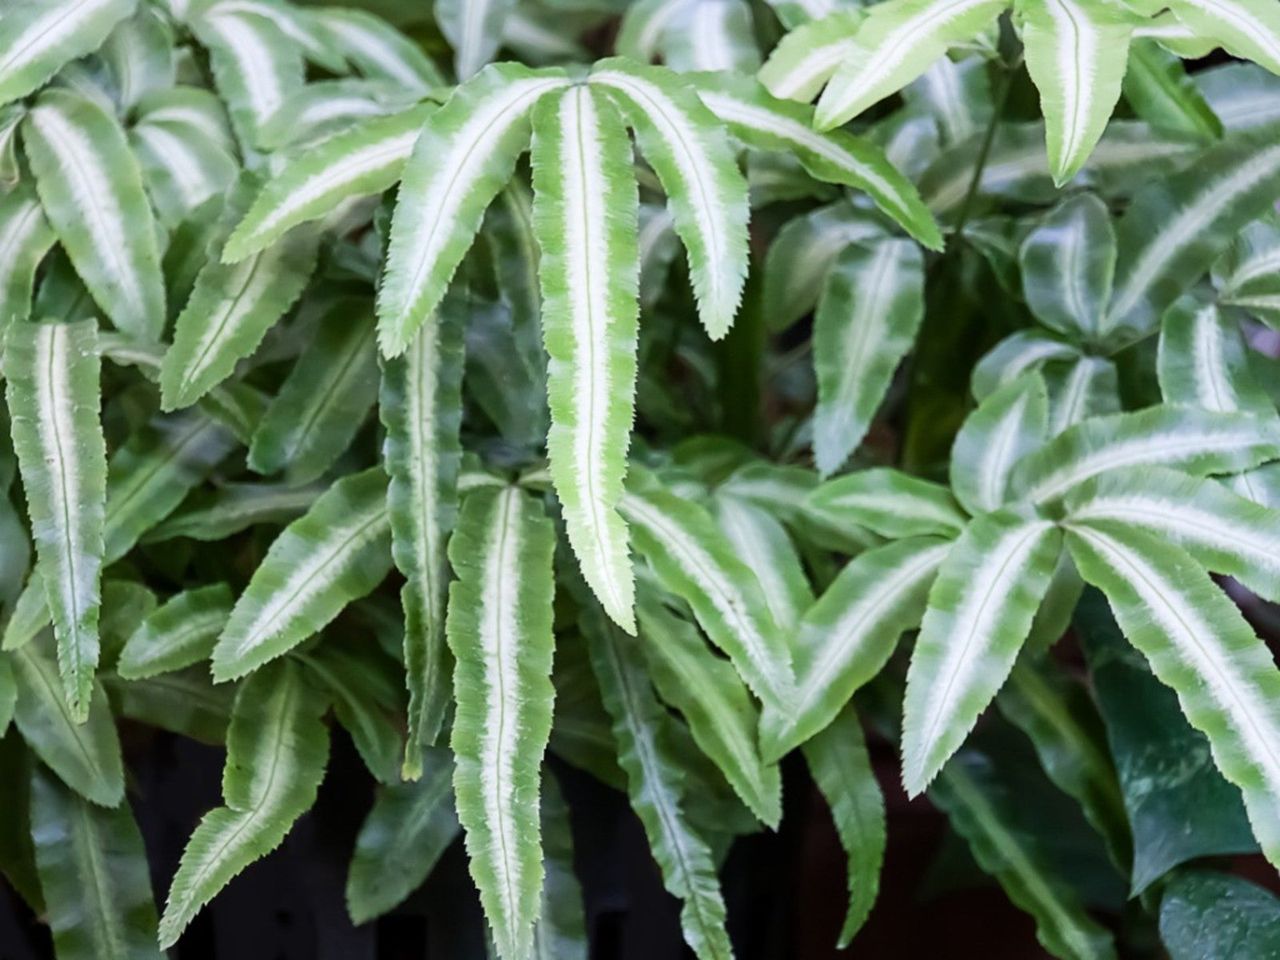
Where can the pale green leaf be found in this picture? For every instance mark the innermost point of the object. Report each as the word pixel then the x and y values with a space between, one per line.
pixel 980 612
pixel 499 629
pixel 1161 92
pixel 585 219
pixel 335 553
pixel 52 371
pixel 466 151
pixel 93 874
pixel 230 310
pixel 91 190
pixel 871 308
pixel 712 35
pixel 1015 355
pixel 216 515
pixel 277 748
pixel 801 255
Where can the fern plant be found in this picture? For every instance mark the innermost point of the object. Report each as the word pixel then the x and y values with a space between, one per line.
pixel 978 350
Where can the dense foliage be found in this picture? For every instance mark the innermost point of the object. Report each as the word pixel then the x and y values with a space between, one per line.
pixel 325 406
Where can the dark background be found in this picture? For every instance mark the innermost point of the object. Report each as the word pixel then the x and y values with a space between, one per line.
pixel 785 892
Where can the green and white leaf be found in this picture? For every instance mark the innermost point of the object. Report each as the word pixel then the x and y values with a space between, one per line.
pixel 691 558
pixel 871 308
pixel 178 634
pixel 753 532
pixel 499 629
pixel 980 612
pixel 1198 643
pixel 230 310
pixel 656 787
pixel 277 748
pixel 37 39
pixel 1185 438
pixel 586 222
pixel 1223 531
pixel 379 50
pixel 474 30
pixel 891 503
pixel 366 158
pixel 1006 426
pixel 1177 226
pixel 52 371
pixel 708 692
pixel 1249 29
pixel 712 35
pixel 466 152
pixel 838 760
pixel 1161 92
pixel 808 56
pixel 91 190
pixel 849 634
pixel 1015 355
pixel 1068 261
pixel 420 404
pixel 25 238
pixel 1076 52
pixel 1203 360
pixel 1088 386
pixel 895 44
pixel 256 66
pixel 325 399
pixel 93 875
pixel 338 551
pixel 141 57
pixel 181 167
pixel 216 515
pixel 801 255
pixel 706 193
pixel 85 754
